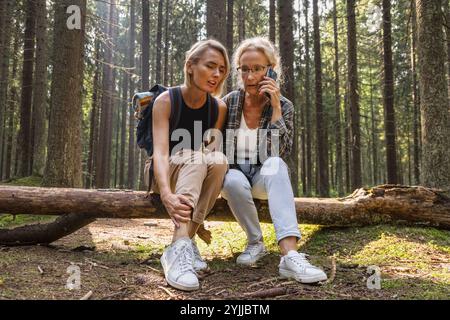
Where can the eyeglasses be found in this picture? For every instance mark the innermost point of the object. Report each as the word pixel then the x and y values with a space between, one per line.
pixel 257 69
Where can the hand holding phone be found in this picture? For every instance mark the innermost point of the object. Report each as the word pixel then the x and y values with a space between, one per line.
pixel 271 74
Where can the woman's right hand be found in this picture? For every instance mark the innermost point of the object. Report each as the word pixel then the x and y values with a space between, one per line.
pixel 178 206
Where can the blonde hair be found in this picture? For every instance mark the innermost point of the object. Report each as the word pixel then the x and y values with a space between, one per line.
pixel 196 52
pixel 266 47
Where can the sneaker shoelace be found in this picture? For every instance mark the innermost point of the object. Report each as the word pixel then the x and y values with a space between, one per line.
pixel 300 260
pixel 252 249
pixel 185 256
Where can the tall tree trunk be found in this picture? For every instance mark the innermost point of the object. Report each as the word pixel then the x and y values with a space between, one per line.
pixel 337 97
pixel 216 19
pixel 347 139
pixel 117 107
pixel 373 129
pixel 103 165
pixel 286 47
pixel 158 63
pixel 388 97
pixel 166 45
pixel 272 30
pixel 93 130
pixel 308 106
pixel 241 20
pixel 25 136
pixel 5 41
pixel 447 33
pixel 301 101
pixel 145 68
pixel 12 98
pixel 416 105
pixel 433 95
pixel 63 167
pixel 352 63
pixel 40 90
pixel 123 130
pixel 230 32
pixel 321 127
pixel 131 125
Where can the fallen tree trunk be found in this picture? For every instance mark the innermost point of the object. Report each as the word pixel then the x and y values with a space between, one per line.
pixel 381 204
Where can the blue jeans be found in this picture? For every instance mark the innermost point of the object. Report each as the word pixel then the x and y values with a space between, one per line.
pixel 269 182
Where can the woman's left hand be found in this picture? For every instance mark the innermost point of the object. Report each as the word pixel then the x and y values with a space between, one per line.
pixel 271 87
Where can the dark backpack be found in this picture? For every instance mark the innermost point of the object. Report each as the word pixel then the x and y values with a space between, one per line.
pixel 143 107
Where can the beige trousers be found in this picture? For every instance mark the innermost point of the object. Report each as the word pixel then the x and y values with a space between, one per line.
pixel 198 176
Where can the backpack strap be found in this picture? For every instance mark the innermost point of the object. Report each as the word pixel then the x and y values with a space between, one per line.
pixel 175 107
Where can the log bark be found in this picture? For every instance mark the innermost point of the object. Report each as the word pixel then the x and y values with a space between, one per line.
pixel 382 204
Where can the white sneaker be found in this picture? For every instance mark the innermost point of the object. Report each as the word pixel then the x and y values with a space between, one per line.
pixel 177 261
pixel 199 264
pixel 296 266
pixel 252 253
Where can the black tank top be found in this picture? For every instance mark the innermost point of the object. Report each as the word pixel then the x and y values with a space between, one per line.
pixel 189 120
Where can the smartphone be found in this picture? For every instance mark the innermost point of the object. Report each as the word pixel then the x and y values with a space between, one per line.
pixel 271 74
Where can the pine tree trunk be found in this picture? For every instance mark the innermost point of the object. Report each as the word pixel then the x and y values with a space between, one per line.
pixel 123 130
pixel 5 41
pixel 158 62
pixel 241 20
pixel 447 33
pixel 373 131
pixel 352 63
pixel 25 134
pixel 337 97
pixel 93 130
pixel 3 87
pixel 285 18
pixel 145 67
pixel 301 101
pixel 347 138
pixel 131 125
pixel 433 95
pixel 272 30
pixel 117 107
pixel 388 97
pixel 103 165
pixel 166 45
pixel 322 140
pixel 63 167
pixel 216 19
pixel 40 91
pixel 416 105
pixel 230 32
pixel 12 106
pixel 308 106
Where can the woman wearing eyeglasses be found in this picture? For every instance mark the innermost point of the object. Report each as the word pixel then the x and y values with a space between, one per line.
pixel 257 169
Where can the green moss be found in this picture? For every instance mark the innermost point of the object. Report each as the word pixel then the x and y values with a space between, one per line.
pixel 31 181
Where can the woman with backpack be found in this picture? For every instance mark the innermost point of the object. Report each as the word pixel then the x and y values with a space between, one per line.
pixel 259 171
pixel 188 175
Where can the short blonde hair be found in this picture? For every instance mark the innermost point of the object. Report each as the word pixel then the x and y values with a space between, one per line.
pixel 266 47
pixel 195 53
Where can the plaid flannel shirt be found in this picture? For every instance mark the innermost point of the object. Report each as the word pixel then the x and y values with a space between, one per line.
pixel 284 126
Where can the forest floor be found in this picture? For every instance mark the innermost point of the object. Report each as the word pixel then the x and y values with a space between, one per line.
pixel 119 259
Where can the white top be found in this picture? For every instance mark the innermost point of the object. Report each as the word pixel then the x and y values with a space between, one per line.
pixel 247 140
